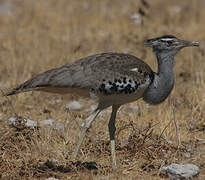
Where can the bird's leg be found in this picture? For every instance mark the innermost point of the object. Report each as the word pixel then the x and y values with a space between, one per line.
pixel 86 126
pixel 112 129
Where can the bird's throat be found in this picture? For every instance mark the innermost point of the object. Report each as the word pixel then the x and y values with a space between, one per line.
pixel 163 81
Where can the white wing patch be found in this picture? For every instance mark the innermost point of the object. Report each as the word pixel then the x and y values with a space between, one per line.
pixel 134 69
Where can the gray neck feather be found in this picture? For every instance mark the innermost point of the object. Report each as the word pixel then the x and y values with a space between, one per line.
pixel 163 81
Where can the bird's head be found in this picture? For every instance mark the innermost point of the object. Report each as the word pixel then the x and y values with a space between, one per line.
pixel 168 43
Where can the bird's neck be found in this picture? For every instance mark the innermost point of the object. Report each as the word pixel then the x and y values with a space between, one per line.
pixel 163 81
pixel 165 63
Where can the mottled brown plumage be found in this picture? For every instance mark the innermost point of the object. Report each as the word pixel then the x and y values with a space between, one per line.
pixel 93 76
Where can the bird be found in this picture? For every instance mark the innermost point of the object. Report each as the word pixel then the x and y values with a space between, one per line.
pixel 112 79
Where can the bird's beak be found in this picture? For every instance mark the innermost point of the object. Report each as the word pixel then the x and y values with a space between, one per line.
pixel 189 43
pixel 148 43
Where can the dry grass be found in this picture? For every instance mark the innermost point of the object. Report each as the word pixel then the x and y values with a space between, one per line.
pixel 36 36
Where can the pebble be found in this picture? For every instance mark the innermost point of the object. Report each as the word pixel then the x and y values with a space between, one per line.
pixel 187 154
pixel 56 101
pixel 27 122
pixel 75 105
pixel 136 17
pixel 12 121
pixel 51 178
pixel 31 124
pixel 48 122
pixel 180 171
pixel 29 106
pixel 54 161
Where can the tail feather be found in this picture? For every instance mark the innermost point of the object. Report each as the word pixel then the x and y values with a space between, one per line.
pixel 16 91
pixel 35 83
pixel 12 92
pixel 40 81
pixel 19 89
pixel 48 81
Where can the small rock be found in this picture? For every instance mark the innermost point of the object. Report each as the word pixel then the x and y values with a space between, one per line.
pixel 136 17
pixel 56 101
pixel 41 163
pixel 19 122
pixel 51 178
pixel 169 142
pixel 151 148
pixel 180 171
pixel 12 120
pixel 75 105
pixel 187 154
pixel 29 106
pixel 53 161
pixel 30 123
pixel 48 122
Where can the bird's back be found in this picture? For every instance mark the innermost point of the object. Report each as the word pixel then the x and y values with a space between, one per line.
pixel 100 75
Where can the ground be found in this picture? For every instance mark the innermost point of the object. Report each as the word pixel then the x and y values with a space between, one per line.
pixel 39 35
